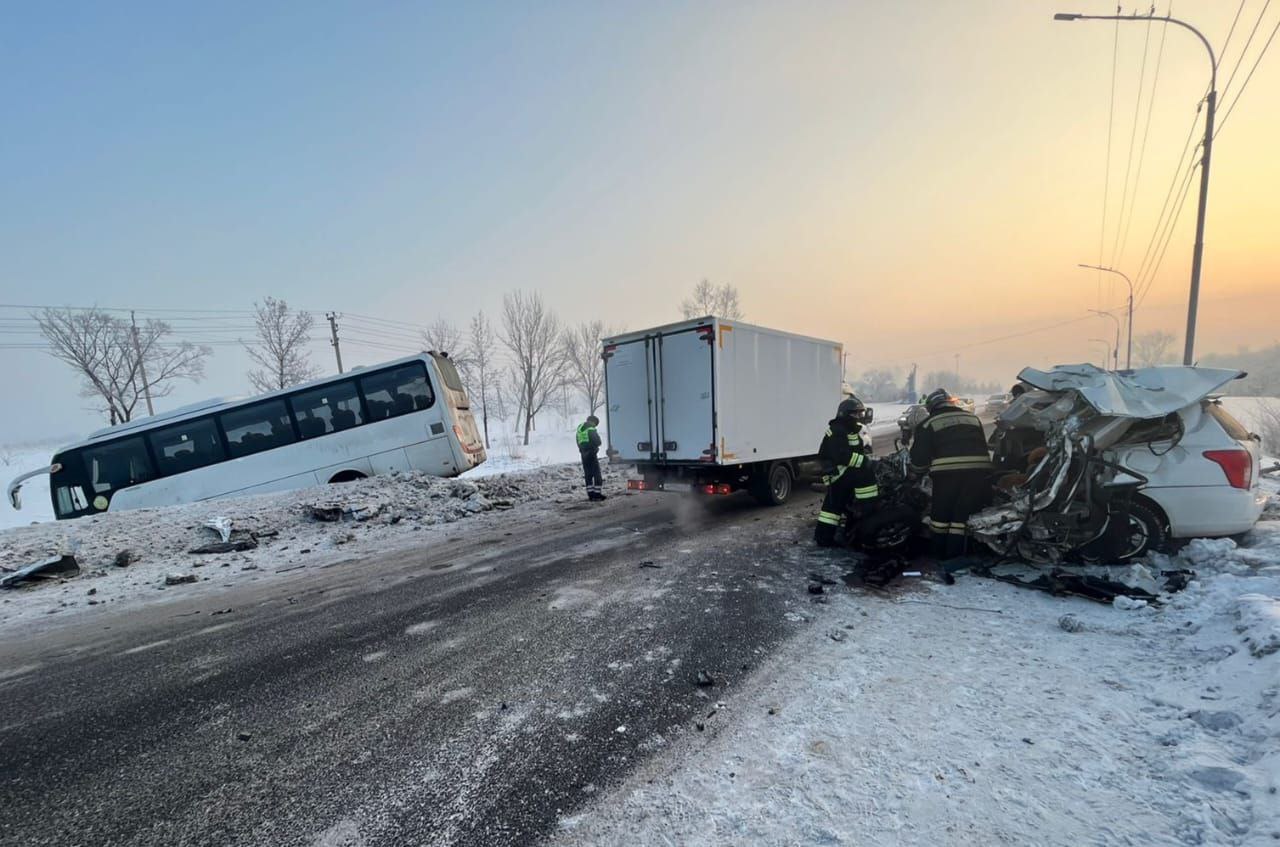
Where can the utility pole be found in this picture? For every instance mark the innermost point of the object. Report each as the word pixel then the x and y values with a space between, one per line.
pixel 1116 348
pixel 1107 346
pixel 1197 255
pixel 1128 355
pixel 142 366
pixel 333 331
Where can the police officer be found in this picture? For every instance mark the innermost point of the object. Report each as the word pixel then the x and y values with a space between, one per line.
pixel 951 447
pixel 588 447
pixel 846 466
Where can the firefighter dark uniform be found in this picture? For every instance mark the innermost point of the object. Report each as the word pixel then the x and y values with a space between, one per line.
pixel 588 447
pixel 847 469
pixel 951 447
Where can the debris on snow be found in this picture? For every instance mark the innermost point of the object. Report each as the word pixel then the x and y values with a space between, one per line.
pixel 704 679
pixel 52 568
pixel 179 578
pixel 1126 603
pixel 125 558
pixel 221 525
pixel 1071 623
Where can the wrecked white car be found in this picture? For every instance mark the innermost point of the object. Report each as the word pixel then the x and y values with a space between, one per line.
pixel 1101 466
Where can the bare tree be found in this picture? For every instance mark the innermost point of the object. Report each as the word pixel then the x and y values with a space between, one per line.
pixel 479 351
pixel 443 336
pixel 1152 348
pixel 718 300
pixel 111 357
pixel 281 349
pixel 582 348
pixel 531 334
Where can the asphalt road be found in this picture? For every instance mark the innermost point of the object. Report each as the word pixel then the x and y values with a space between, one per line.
pixel 473 693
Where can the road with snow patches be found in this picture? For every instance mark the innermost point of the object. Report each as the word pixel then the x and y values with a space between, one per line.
pixel 473 693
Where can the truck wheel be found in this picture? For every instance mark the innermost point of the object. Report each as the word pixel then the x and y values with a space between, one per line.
pixel 773 487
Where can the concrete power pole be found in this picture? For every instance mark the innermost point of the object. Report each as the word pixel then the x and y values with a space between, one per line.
pixel 333 331
pixel 142 366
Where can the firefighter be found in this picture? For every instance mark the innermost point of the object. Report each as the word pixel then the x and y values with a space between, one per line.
pixel 847 468
pixel 588 446
pixel 951 447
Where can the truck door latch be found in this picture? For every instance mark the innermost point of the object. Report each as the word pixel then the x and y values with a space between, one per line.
pixel 669 445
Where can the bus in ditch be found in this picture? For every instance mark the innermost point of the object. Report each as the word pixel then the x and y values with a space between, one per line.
pixel 408 414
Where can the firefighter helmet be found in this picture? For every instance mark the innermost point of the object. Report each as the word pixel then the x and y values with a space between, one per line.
pixel 852 407
pixel 937 399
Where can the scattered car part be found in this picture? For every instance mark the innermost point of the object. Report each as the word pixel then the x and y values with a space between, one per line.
pixel 54 567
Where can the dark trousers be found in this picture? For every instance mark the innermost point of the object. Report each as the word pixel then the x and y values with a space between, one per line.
pixel 591 470
pixel 859 483
pixel 956 496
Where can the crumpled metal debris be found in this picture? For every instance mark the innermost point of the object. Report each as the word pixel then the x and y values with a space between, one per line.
pixel 55 567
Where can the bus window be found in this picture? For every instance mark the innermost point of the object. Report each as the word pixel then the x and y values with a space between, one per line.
pixel 331 408
pixel 397 392
pixel 253 429
pixel 117 465
pixel 449 372
pixel 186 446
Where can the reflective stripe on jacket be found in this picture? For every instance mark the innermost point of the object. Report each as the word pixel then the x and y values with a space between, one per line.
pixel 842 448
pixel 950 439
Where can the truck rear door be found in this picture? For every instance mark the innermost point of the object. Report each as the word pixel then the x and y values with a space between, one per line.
pixel 686 406
pixel 630 400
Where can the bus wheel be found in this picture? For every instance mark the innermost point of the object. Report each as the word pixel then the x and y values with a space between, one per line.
pixel 346 476
pixel 773 487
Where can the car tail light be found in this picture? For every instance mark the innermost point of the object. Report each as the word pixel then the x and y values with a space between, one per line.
pixel 1236 464
pixel 637 485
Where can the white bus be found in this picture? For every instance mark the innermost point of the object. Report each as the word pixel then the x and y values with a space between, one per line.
pixel 409 414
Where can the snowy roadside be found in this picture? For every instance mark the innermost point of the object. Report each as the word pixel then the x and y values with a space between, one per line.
pixel 381 514
pixel 970 715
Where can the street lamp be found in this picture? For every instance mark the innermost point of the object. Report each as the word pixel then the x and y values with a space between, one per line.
pixel 1128 355
pixel 1197 256
pixel 1106 344
pixel 1116 364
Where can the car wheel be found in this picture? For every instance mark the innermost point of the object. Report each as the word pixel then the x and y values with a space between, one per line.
pixel 774 487
pixel 1146 533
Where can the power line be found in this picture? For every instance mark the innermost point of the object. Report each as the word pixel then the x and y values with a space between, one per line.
pixel 1173 184
pixel 1245 50
pixel 1245 84
pixel 1146 132
pixel 1106 178
pixel 1227 42
pixel 1133 135
pixel 1155 268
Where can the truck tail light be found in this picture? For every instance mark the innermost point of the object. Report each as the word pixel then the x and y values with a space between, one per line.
pixel 724 488
pixel 637 485
pixel 1236 464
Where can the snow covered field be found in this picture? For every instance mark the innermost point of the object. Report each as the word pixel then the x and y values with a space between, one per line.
pixel 36 506
pixel 971 715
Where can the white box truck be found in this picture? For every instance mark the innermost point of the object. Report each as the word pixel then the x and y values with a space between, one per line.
pixel 715 406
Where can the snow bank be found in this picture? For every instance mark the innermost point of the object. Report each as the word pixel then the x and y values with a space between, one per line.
pixel 987 714
pixel 382 513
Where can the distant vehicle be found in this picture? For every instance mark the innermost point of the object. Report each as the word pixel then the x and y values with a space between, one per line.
pixel 910 419
pixel 966 403
pixel 714 406
pixel 409 414
pixel 997 403
pixel 1107 466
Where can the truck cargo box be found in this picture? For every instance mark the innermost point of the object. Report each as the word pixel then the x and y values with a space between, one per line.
pixel 710 391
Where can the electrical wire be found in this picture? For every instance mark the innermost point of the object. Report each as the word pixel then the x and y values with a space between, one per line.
pixel 1133 136
pixel 1106 178
pixel 1173 185
pixel 1173 222
pixel 1245 84
pixel 1227 41
pixel 1146 132
pixel 1245 50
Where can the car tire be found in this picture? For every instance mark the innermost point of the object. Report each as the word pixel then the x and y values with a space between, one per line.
pixel 1147 532
pixel 774 486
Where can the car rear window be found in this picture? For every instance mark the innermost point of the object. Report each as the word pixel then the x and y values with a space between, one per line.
pixel 1233 427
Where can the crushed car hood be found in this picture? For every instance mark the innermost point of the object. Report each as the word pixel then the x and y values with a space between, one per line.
pixel 1143 393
